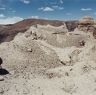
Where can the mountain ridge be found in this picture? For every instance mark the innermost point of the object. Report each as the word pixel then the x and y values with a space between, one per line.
pixel 8 32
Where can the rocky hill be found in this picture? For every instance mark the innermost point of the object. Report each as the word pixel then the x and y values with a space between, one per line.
pixel 47 59
pixel 8 32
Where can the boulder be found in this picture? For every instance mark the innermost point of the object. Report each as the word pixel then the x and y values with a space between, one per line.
pixel 1 78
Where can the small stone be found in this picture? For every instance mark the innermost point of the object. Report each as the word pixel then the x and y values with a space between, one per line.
pixel 12 72
pixel 1 91
pixel 29 49
pixel 42 94
pixel 71 69
pixel 66 74
pixel 28 34
pixel 1 78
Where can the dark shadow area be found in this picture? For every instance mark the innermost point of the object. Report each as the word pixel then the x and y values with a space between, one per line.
pixel 3 72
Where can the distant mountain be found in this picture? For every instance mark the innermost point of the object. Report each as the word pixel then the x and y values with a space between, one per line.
pixel 8 32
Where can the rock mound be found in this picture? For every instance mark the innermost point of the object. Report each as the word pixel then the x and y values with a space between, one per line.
pixel 47 60
pixel 8 32
pixel 87 24
pixel 86 20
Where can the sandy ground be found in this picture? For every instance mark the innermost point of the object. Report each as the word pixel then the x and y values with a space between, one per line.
pixel 40 67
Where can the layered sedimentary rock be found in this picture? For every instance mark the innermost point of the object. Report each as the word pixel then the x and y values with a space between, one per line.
pixel 87 24
pixel 86 20
pixel 8 32
pixel 47 60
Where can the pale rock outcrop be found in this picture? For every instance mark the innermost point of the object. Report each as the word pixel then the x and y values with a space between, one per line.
pixel 87 24
pixel 86 20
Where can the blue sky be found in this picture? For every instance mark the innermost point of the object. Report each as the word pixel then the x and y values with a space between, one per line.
pixel 16 10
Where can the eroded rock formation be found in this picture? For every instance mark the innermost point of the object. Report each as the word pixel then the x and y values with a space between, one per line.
pixel 87 24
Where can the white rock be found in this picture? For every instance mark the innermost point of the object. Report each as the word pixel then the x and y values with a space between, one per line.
pixel 29 49
pixel 1 78
pixel 12 72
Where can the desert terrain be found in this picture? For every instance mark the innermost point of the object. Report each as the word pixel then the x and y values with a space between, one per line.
pixel 44 57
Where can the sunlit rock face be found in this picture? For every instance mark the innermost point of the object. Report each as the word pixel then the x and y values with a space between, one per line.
pixel 87 24
pixel 86 20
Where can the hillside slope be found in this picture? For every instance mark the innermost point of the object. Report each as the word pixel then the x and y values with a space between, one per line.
pixel 8 32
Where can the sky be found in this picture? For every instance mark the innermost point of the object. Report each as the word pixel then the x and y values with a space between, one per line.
pixel 12 11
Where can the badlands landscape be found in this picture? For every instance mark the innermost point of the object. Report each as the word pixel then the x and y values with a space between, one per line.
pixel 44 57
